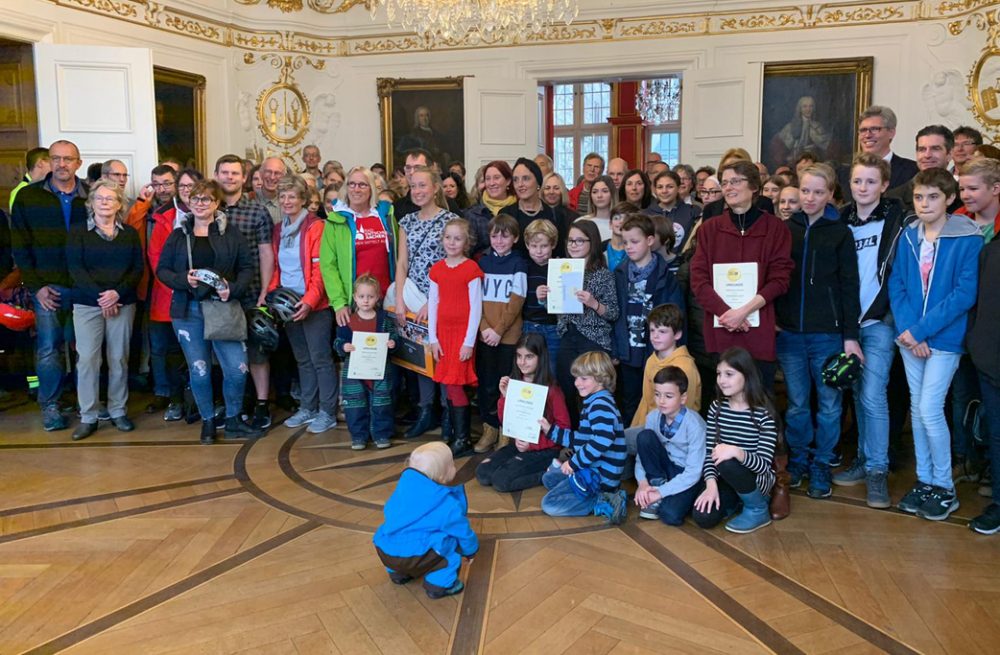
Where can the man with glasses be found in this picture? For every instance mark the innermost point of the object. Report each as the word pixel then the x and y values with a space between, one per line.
pixel 579 196
pixel 41 218
pixel 967 139
pixel 876 131
pixel 271 172
pixel 116 171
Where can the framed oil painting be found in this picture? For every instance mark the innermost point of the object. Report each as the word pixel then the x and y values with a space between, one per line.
pixel 813 106
pixel 428 114
pixel 180 116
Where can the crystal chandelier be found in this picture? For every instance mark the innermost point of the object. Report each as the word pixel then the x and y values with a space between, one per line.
pixel 489 20
pixel 658 101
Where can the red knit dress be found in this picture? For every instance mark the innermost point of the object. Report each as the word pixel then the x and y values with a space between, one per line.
pixel 453 320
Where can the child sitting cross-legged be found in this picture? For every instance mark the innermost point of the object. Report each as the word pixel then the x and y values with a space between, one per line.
pixel 426 532
pixel 595 467
pixel 670 452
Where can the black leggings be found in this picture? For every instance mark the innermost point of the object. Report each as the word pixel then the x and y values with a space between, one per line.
pixel 511 470
pixel 734 479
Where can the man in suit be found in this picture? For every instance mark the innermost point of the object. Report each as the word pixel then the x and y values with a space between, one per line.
pixel 934 145
pixel 876 130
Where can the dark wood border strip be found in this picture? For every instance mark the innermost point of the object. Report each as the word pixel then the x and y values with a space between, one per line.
pixel 115 444
pixel 113 494
pixel 146 603
pixel 725 603
pixel 804 595
pixel 470 620
pixel 111 516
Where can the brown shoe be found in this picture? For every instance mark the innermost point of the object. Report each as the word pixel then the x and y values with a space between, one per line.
pixel 489 438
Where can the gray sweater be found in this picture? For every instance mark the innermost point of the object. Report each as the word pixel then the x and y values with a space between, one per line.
pixel 686 448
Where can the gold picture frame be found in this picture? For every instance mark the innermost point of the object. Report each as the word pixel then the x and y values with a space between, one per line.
pixel 840 89
pixel 986 97
pixel 440 129
pixel 180 116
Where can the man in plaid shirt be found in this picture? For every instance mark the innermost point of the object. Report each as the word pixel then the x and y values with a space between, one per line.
pixel 254 223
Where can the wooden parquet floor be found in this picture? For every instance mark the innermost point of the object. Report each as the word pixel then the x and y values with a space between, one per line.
pixel 149 543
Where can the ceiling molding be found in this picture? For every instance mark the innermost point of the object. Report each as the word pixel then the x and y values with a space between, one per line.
pixel 163 17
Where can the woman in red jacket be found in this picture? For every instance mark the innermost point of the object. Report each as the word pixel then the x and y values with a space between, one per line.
pixel 742 234
pixel 296 246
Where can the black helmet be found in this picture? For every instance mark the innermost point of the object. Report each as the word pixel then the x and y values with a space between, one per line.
pixel 841 371
pixel 282 302
pixel 262 328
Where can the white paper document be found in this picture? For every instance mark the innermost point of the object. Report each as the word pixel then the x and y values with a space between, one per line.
pixel 565 279
pixel 367 362
pixel 523 405
pixel 736 284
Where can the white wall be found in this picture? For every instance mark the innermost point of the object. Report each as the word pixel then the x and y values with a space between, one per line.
pixel 920 70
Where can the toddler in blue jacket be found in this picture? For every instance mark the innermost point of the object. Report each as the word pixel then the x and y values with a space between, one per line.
pixel 426 531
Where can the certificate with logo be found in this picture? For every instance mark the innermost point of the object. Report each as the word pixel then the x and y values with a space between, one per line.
pixel 523 405
pixel 565 279
pixel 736 284
pixel 367 362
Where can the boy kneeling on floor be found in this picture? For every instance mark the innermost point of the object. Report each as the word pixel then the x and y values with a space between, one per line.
pixel 669 452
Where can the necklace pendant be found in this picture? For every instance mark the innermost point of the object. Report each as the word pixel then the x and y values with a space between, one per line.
pixel 743 233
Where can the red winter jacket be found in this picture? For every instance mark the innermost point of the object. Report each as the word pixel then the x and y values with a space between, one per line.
pixel 312 233
pixel 769 243
pixel 161 295
pixel 555 413
pixel 574 195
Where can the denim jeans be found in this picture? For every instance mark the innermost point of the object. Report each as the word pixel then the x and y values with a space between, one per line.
pixel 166 361
pixel 376 422
pixel 802 356
pixel 991 408
pixel 964 389
pixel 929 380
pixel 871 401
pixel 562 500
pixel 232 356
pixel 54 331
pixel 551 334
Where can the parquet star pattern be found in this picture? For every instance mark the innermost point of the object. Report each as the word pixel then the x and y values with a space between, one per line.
pixel 148 542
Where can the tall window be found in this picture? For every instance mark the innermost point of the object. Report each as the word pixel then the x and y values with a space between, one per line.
pixel 580 126
pixel 665 138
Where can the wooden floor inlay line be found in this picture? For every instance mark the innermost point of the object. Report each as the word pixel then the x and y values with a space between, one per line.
pixel 471 619
pixel 118 444
pixel 753 624
pixel 143 604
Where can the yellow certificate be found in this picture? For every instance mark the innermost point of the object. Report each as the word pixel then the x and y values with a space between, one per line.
pixel 523 405
pixel 736 284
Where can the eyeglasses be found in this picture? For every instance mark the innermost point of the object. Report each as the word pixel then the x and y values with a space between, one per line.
pixel 185 187
pixel 105 199
pixel 733 181
pixel 711 192
pixel 164 185
pixel 870 130
pixel 202 200
pixel 357 185
pixel 577 242
pixel 965 144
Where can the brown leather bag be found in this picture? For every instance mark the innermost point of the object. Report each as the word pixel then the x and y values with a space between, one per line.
pixel 780 498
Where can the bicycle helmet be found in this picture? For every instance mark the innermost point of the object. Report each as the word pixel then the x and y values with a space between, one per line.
pixel 841 371
pixel 16 318
pixel 282 302
pixel 262 329
pixel 210 278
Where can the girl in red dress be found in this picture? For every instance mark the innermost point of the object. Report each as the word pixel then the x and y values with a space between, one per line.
pixel 454 310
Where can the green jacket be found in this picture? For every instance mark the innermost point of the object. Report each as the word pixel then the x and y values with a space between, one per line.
pixel 337 261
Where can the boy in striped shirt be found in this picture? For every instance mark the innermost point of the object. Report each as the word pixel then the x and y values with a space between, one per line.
pixel 591 475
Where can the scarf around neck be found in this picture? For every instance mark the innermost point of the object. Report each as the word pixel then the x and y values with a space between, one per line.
pixel 496 205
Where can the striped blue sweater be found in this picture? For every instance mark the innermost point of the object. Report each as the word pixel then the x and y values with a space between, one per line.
pixel 599 443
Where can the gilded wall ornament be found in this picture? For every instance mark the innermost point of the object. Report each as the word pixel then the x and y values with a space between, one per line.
pixel 282 109
pixel 984 78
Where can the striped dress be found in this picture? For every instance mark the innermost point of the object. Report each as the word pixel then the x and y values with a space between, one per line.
pixel 752 430
pixel 599 443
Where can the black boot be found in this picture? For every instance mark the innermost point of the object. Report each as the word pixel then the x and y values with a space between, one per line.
pixel 208 432
pixel 447 426
pixel 461 419
pixel 237 429
pixel 425 422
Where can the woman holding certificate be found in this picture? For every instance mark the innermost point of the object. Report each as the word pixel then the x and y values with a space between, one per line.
pixel 296 244
pixel 742 263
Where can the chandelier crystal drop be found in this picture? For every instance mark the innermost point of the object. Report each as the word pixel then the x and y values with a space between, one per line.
pixel 657 101
pixel 489 20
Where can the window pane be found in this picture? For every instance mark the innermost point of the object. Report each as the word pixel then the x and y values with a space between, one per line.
pixel 562 106
pixel 563 158
pixel 594 143
pixel 596 103
pixel 668 144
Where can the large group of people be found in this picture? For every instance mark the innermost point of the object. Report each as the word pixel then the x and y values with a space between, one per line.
pixel 846 270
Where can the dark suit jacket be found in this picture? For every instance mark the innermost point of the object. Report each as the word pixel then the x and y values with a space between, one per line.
pixel 901 170
pixel 904 193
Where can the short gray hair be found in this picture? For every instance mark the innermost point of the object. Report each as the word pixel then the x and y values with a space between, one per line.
pixel 106 166
pixel 887 115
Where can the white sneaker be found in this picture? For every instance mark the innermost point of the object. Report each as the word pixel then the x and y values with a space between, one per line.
pixel 321 423
pixel 300 418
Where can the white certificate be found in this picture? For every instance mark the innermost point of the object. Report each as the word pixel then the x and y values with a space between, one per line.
pixel 736 284
pixel 367 362
pixel 565 279
pixel 523 405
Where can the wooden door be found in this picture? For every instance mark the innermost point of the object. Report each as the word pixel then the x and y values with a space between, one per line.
pixel 18 118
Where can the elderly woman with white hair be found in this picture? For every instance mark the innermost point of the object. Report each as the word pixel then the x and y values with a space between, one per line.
pixel 359 238
pixel 104 257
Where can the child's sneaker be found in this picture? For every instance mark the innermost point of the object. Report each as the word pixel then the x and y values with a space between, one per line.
pixel 988 522
pixel 650 511
pixel 613 506
pixel 359 445
pixel 939 505
pixel 399 578
pixel 382 444
pixel 450 591
pixel 915 498
pixel 819 481
pixel 796 475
